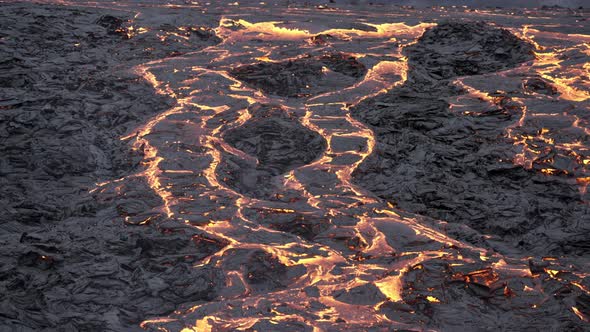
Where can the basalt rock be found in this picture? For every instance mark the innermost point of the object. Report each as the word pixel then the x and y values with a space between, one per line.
pixel 277 141
pixel 459 167
pixel 303 76
pixel 73 260
pixel 466 48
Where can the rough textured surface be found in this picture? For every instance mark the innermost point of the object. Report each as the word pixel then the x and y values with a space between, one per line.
pixel 67 96
pixel 58 135
pixel 303 76
pixel 458 166
pixel 459 49
pixel 277 141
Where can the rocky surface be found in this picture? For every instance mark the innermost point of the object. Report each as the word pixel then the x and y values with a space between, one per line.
pixel 277 141
pixel 303 76
pixel 459 167
pixel 67 96
pixel 460 49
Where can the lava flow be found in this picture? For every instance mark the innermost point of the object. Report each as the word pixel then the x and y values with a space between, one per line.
pixel 285 151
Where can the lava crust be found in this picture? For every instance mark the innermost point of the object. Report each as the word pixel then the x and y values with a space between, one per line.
pixel 303 76
pixel 458 167
pixel 277 141
pixel 459 49
pixel 64 105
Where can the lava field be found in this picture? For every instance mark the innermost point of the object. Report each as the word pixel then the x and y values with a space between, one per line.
pixel 293 166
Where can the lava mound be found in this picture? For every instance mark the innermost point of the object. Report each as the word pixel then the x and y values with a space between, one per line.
pixel 459 49
pixel 302 77
pixel 458 167
pixel 277 141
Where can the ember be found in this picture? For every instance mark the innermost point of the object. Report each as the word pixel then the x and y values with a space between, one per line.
pixel 266 166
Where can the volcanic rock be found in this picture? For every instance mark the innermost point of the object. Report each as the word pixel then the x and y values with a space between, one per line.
pixel 303 76
pixel 466 48
pixel 458 167
pixel 277 141
pixel 74 260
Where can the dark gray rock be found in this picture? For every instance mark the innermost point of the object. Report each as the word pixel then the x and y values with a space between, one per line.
pixel 303 76
pixel 458 167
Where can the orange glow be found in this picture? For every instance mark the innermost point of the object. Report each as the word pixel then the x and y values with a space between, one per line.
pixel 432 299
pixel 580 314
pixel 391 287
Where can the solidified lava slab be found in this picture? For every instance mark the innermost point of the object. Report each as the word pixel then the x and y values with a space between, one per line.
pixel 459 49
pixel 303 76
pixel 64 105
pixel 263 271
pixel 163 242
pixel 279 143
pixel 458 167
